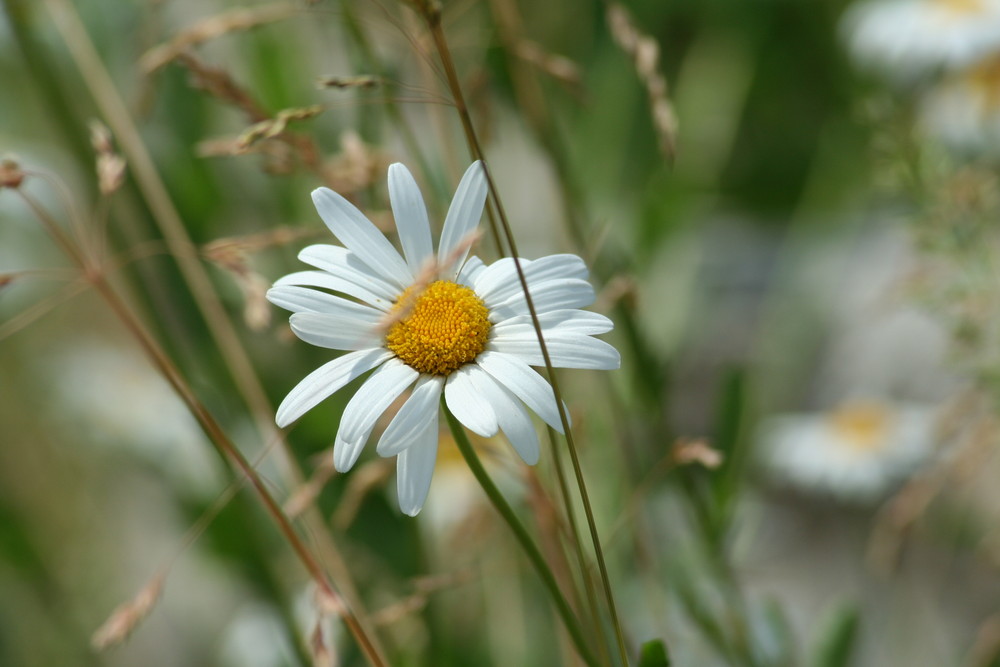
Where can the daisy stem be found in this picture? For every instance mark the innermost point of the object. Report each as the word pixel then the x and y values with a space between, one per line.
pixel 521 533
pixel 94 275
pixel 432 14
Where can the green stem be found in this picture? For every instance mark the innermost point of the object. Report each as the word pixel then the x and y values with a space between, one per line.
pixel 432 14
pixel 588 583
pixel 521 533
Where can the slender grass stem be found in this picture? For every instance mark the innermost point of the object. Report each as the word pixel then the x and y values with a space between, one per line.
pixel 521 533
pixel 588 583
pixel 216 434
pixel 117 116
pixel 432 14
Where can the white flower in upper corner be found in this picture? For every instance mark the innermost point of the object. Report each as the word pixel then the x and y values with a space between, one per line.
pixel 855 453
pixel 439 323
pixel 911 37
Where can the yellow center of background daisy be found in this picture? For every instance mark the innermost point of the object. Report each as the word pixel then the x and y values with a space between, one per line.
pixel 438 329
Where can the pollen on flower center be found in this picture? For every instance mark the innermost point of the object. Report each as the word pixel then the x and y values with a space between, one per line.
pixel 440 328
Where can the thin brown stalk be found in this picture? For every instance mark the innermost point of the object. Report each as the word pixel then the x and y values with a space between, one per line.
pixel 433 18
pixel 165 214
pixel 216 435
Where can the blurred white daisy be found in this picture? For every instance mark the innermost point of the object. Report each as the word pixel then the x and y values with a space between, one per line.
pixel 963 110
pixel 910 37
pixel 439 323
pixel 857 452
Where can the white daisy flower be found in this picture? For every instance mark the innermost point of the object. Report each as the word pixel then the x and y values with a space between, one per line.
pixel 433 323
pixel 963 111
pixel 855 453
pixel 910 37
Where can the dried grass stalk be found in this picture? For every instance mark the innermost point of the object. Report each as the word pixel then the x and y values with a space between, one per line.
pixel 272 127
pixel 127 616
pixel 360 81
pixel 110 165
pixel 645 54
pixel 210 28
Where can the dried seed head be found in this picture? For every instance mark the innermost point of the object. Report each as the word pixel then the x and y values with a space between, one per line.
pixel 11 175
pixel 128 615
pixel 697 451
pixel 272 127
pixel 110 165
pixel 361 81
pixel 210 28
pixel 645 54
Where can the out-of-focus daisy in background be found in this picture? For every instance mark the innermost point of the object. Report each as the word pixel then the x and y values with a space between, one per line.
pixel 445 325
pixel 963 110
pixel 856 453
pixel 906 38
pixel 947 52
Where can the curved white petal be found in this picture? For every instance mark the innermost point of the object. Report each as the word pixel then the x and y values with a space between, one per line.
pixel 411 420
pixel 365 407
pixel 512 418
pixel 472 268
pixel 325 380
pixel 305 300
pixel 360 236
pixel 565 350
pixel 499 272
pixel 525 383
pixel 550 295
pixel 335 332
pixel 463 217
pixel 504 283
pixel 568 320
pixel 411 218
pixel 468 405
pixel 335 283
pixel 343 263
pixel 415 468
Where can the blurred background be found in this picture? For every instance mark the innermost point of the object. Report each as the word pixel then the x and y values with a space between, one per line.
pixel 790 210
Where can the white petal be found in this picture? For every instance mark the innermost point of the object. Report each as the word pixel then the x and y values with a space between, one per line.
pixel 365 407
pixel 472 267
pixel 411 420
pixel 335 283
pixel 565 350
pixel 504 283
pixel 462 219
pixel 415 468
pixel 360 236
pixel 326 380
pixel 411 218
pixel 512 418
pixel 343 263
pixel 305 300
pixel 525 383
pixel 498 273
pixel 569 320
pixel 468 405
pixel 550 295
pixel 335 332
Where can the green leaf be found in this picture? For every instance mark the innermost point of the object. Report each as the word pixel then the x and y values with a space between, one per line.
pixel 654 654
pixel 836 642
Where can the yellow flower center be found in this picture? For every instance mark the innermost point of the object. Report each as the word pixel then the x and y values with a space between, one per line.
pixel 962 6
pixel 438 329
pixel 865 426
